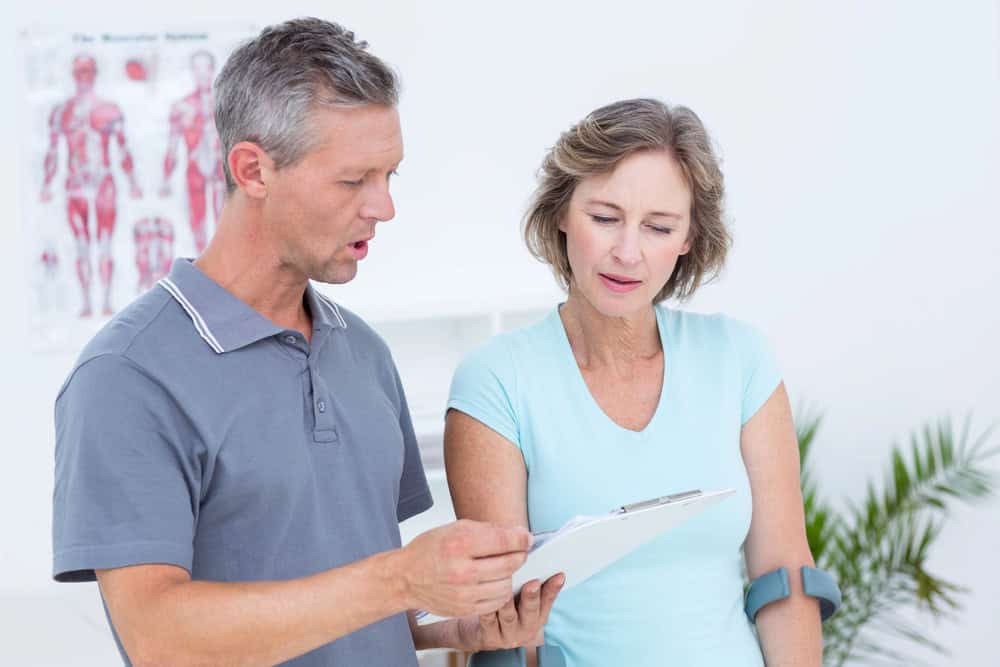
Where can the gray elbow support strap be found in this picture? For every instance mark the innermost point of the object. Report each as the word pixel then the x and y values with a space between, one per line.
pixel 774 586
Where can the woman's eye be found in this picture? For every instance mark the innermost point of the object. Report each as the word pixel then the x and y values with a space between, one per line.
pixel 602 219
pixel 353 184
pixel 661 230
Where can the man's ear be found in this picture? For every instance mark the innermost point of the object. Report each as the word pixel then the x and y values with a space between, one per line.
pixel 250 167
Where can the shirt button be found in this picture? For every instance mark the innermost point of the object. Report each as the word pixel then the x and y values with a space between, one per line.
pixel 290 339
pixel 322 406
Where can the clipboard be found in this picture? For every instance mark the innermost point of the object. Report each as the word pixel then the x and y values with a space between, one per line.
pixel 585 545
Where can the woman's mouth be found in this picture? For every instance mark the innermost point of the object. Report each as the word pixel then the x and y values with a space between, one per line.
pixel 618 284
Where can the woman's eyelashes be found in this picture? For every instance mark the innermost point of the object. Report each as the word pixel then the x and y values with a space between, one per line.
pixel 608 220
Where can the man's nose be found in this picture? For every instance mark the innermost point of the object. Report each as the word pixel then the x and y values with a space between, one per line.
pixel 379 205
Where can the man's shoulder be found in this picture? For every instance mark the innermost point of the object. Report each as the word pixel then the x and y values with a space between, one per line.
pixel 151 322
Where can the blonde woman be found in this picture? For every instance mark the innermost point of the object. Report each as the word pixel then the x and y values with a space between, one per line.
pixel 615 398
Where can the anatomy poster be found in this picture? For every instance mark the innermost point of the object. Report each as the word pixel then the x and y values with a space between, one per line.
pixel 122 166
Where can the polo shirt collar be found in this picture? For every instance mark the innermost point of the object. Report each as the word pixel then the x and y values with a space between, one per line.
pixel 225 322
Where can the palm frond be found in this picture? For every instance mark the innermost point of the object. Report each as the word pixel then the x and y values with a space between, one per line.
pixel 878 547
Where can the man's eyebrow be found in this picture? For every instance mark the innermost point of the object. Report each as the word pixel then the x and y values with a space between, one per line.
pixel 661 214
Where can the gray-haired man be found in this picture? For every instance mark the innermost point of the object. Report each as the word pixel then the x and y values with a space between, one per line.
pixel 234 451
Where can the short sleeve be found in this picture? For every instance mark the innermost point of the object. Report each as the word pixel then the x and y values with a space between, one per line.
pixel 484 388
pixel 127 478
pixel 761 375
pixel 414 494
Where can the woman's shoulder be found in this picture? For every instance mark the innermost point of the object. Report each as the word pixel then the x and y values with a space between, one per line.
pixel 708 329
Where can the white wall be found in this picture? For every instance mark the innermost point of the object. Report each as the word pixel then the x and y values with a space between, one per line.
pixel 860 143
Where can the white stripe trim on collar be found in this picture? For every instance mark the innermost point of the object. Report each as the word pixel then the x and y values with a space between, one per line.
pixel 336 310
pixel 199 323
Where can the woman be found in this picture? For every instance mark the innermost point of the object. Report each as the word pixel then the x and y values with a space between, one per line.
pixel 614 398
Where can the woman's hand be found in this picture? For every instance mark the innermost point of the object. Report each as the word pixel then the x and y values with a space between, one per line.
pixel 512 625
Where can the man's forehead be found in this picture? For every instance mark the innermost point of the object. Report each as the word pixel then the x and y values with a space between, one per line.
pixel 359 134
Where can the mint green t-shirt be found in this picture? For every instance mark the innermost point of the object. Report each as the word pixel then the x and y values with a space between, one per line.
pixel 678 599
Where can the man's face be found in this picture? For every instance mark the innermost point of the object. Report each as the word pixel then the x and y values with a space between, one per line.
pixel 324 208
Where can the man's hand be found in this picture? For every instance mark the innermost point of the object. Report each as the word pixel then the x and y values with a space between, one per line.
pixel 463 568
pixel 513 625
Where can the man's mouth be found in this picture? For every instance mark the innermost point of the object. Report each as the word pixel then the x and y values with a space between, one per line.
pixel 359 249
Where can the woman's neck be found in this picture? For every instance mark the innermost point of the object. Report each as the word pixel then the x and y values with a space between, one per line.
pixel 601 341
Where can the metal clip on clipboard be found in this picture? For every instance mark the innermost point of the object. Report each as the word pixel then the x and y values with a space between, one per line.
pixel 662 500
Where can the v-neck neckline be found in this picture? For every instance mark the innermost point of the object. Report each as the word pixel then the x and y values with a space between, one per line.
pixel 581 383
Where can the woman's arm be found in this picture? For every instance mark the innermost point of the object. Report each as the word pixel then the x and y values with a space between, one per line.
pixel 489 482
pixel 486 472
pixel 789 629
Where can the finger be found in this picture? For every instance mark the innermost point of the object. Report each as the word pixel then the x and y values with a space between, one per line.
pixel 499 567
pixel 500 590
pixel 489 606
pixel 508 619
pixel 548 595
pixel 490 540
pixel 489 621
pixel 530 602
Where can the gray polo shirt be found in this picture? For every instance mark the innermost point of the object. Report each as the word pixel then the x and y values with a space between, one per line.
pixel 193 431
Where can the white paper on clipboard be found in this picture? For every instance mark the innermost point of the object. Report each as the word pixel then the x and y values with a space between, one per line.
pixel 585 545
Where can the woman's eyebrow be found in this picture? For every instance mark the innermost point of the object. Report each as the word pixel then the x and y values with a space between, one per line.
pixel 661 214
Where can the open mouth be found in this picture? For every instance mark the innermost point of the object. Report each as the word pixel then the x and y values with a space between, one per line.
pixel 618 283
pixel 359 249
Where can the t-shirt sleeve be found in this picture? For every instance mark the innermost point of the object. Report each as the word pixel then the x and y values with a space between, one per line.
pixel 761 374
pixel 127 475
pixel 414 494
pixel 484 387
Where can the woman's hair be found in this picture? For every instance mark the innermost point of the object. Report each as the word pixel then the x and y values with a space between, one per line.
pixel 596 145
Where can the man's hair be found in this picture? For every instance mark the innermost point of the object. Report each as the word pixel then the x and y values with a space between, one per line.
pixel 595 146
pixel 270 85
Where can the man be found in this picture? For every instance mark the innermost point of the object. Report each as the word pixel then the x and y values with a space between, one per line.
pixel 90 125
pixel 191 118
pixel 234 451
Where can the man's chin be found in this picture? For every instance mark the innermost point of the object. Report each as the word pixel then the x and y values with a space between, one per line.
pixel 336 274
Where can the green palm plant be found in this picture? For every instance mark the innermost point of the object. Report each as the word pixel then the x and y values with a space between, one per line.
pixel 878 548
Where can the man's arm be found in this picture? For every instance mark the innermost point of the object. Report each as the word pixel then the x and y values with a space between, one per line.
pixel 164 618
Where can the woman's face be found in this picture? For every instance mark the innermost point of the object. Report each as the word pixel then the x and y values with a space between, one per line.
pixel 625 230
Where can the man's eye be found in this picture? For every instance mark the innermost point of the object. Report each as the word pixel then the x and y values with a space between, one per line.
pixel 353 184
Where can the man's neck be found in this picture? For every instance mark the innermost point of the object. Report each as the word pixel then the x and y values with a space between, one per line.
pixel 241 258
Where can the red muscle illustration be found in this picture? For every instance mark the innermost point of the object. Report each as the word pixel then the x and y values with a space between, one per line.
pixel 89 125
pixel 154 249
pixel 192 118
